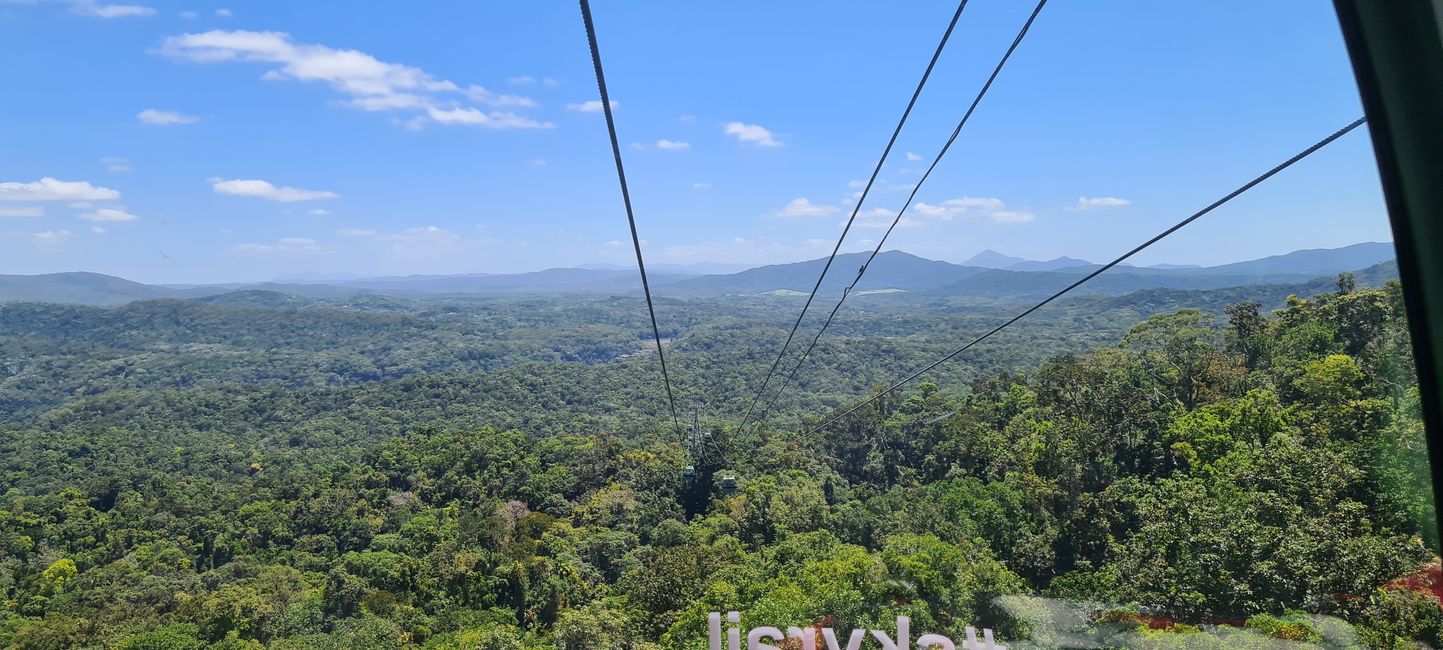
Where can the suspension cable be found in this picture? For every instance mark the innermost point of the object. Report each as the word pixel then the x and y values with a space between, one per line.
pixel 878 249
pixel 857 208
pixel 1139 248
pixel 626 199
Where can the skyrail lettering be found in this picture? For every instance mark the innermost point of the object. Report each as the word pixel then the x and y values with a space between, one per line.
pixel 761 638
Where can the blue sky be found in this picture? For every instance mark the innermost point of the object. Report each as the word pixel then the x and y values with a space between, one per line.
pixel 202 142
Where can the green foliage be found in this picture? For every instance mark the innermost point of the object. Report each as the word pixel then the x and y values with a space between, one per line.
pixel 499 475
pixel 180 636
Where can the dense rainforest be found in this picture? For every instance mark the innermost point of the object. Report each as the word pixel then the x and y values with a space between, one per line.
pixel 1189 469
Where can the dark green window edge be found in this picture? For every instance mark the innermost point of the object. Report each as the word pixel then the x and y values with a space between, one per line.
pixel 1397 51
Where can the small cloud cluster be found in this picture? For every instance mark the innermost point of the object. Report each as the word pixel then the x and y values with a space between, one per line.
pixel 591 106
pixel 752 134
pixel 527 80
pixel 1085 204
pixel 664 145
pixel 368 83
pixel 52 237
pixel 77 194
pixel 987 208
pixel 801 208
pixel 97 10
pixel 268 191
pixel 158 117
pixel 882 218
pixel 109 214
pixel 50 189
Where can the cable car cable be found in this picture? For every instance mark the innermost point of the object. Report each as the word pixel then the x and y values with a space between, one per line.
pixel 1139 248
pixel 878 249
pixel 855 210
pixel 626 199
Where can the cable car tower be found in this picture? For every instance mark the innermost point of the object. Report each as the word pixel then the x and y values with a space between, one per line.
pixel 708 468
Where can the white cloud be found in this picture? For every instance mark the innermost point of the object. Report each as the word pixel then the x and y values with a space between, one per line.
pixel 355 232
pixel 285 245
pixel 1085 204
pixel 883 217
pixel 672 145
pixel 109 214
pixel 752 133
pixel 476 117
pixel 639 146
pixel 165 118
pixel 801 208
pixel 913 157
pixel 318 212
pixel 267 191
pixel 50 237
pixel 368 83
pixel 189 15
pixel 481 95
pixel 593 106
pixel 22 211
pixel 80 205
pixel 50 189
pixel 985 203
pixel 393 102
pixel 701 186
pixel 98 230
pixel 224 13
pixel 97 10
pixel 940 212
pixel 536 162
pixel 549 82
pixel 523 80
pixel 986 207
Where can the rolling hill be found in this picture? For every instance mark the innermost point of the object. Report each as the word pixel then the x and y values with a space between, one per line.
pixel 891 271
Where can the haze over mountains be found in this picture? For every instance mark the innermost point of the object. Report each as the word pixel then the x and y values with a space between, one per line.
pixel 988 274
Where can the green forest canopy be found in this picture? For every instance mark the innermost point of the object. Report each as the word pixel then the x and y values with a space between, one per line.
pixel 499 475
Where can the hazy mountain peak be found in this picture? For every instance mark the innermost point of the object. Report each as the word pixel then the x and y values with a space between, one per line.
pixel 990 259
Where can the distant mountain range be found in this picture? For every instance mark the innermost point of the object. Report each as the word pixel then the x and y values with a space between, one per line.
pixel 990 259
pixel 989 273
